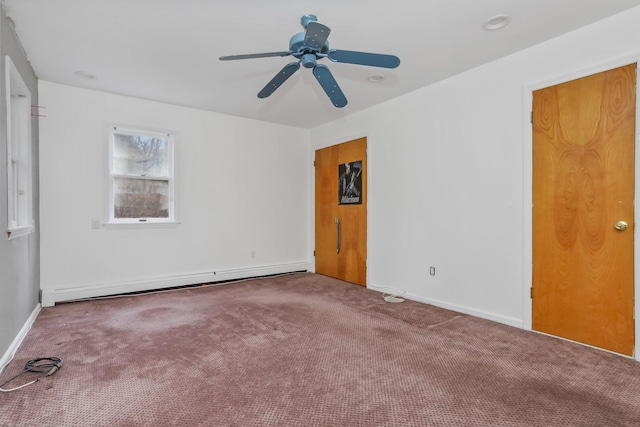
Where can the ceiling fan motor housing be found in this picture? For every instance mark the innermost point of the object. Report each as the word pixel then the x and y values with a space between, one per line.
pixel 308 18
pixel 299 48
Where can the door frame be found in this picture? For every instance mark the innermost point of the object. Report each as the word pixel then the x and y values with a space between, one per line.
pixel 527 191
pixel 312 229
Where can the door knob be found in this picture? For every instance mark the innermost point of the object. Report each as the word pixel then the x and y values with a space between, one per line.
pixel 621 225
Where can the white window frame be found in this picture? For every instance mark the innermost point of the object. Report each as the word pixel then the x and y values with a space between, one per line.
pixel 19 160
pixel 170 221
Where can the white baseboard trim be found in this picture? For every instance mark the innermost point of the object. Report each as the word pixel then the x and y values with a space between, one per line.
pixel 518 323
pixel 51 296
pixel 11 351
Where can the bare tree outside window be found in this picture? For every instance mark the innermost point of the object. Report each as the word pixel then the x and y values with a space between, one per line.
pixel 141 175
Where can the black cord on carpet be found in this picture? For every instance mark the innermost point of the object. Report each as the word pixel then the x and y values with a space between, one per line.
pixel 39 365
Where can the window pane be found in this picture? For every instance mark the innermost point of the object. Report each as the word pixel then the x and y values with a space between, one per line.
pixel 140 155
pixel 140 198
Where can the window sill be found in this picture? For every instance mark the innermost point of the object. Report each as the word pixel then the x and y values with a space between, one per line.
pixel 132 225
pixel 14 233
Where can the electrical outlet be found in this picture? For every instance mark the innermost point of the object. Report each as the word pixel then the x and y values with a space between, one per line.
pixel 432 271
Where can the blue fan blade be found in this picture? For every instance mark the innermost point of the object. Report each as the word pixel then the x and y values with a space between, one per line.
pixel 330 86
pixel 280 78
pixel 364 58
pixel 316 35
pixel 254 55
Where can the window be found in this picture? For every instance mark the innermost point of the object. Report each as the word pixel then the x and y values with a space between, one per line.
pixel 19 181
pixel 141 176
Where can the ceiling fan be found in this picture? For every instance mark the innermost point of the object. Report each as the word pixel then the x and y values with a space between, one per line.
pixel 310 46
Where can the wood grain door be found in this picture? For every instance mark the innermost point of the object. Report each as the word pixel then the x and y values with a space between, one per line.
pixel 341 229
pixel 583 188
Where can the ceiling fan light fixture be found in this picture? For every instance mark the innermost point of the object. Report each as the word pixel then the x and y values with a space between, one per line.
pixel 496 22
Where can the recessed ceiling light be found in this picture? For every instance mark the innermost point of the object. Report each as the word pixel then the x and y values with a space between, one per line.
pixel 496 22
pixel 375 78
pixel 85 75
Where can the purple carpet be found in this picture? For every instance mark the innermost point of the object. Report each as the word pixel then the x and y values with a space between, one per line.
pixel 306 350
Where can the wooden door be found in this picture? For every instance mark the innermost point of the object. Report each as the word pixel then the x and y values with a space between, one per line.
pixel 341 229
pixel 583 188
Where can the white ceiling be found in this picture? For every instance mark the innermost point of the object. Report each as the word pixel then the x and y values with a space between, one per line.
pixel 167 50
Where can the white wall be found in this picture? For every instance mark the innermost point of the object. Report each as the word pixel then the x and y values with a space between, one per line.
pixel 241 186
pixel 450 174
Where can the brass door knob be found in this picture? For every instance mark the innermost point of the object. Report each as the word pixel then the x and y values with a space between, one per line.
pixel 621 225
